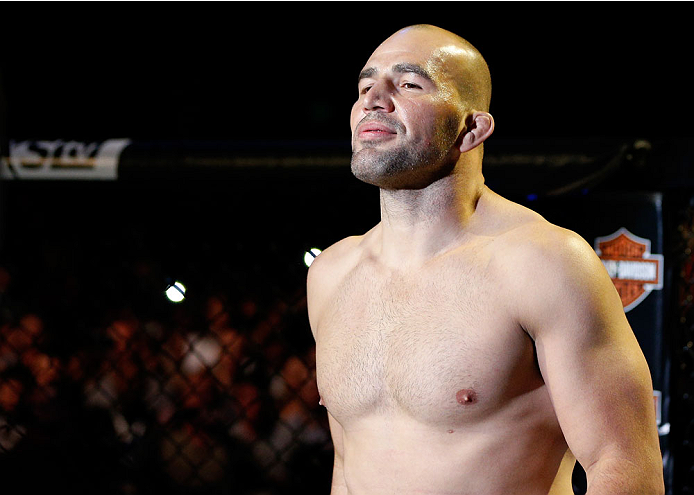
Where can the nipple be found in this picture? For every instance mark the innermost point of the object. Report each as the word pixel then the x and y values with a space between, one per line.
pixel 466 396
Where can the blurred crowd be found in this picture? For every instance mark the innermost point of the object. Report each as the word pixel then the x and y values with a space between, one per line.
pixel 219 398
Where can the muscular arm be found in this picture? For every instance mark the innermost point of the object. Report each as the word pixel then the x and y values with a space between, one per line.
pixel 595 372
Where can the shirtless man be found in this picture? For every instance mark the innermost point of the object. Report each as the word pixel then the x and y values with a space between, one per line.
pixel 465 345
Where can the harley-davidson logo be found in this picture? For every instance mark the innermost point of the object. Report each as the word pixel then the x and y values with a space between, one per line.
pixel 629 262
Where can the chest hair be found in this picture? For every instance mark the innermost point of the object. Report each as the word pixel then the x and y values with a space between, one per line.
pixel 396 342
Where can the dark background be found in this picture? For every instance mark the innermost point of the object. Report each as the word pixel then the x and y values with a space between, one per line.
pixel 80 255
pixel 278 71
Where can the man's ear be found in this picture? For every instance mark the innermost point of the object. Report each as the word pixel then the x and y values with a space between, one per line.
pixel 478 127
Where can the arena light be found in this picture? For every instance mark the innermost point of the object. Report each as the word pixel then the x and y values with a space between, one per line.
pixel 176 292
pixel 310 255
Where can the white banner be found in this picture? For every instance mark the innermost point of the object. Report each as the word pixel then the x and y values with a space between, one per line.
pixel 69 160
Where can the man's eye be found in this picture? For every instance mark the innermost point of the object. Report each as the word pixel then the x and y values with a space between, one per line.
pixel 364 90
pixel 409 85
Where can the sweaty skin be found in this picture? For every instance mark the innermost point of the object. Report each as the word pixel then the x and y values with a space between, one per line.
pixel 465 345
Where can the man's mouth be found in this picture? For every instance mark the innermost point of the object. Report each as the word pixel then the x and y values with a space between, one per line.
pixel 375 130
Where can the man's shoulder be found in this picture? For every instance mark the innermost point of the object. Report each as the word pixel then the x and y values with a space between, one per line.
pixel 549 271
pixel 542 238
pixel 541 248
pixel 337 254
pixel 549 264
pixel 337 259
pixel 530 247
pixel 328 269
pixel 525 233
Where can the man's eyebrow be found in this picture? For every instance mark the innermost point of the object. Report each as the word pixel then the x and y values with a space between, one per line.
pixel 370 72
pixel 414 68
pixel 399 68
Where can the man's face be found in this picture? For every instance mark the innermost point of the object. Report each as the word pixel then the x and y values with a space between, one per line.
pixel 408 116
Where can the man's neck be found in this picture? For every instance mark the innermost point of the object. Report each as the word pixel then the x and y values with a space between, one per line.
pixel 417 225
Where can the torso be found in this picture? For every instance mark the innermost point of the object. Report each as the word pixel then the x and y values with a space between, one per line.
pixel 435 385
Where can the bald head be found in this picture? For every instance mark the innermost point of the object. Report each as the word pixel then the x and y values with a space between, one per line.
pixel 461 62
pixel 422 112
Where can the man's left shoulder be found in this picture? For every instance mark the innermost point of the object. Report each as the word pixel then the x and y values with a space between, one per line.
pixel 528 249
pixel 544 264
pixel 541 245
pixel 555 282
pixel 525 236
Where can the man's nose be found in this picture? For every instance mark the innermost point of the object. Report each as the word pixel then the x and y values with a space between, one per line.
pixel 379 97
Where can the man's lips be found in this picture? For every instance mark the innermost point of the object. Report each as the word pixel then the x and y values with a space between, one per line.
pixel 374 130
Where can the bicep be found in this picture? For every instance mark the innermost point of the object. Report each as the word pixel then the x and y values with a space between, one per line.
pixel 594 369
pixel 600 388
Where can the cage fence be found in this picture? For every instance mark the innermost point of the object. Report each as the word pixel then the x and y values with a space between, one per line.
pixel 683 393
pixel 223 405
pixel 107 386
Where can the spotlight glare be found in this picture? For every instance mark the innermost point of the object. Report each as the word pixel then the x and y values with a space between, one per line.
pixel 176 292
pixel 310 255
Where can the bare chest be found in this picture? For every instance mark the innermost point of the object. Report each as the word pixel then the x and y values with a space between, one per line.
pixel 437 346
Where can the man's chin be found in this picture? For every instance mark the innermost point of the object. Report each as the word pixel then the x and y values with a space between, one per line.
pixel 365 175
pixel 397 172
pixel 380 176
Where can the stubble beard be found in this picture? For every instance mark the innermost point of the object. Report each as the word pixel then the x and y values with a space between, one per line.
pixel 406 165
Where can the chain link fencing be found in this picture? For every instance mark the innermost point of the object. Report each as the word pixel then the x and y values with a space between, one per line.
pixel 683 326
pixel 108 387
